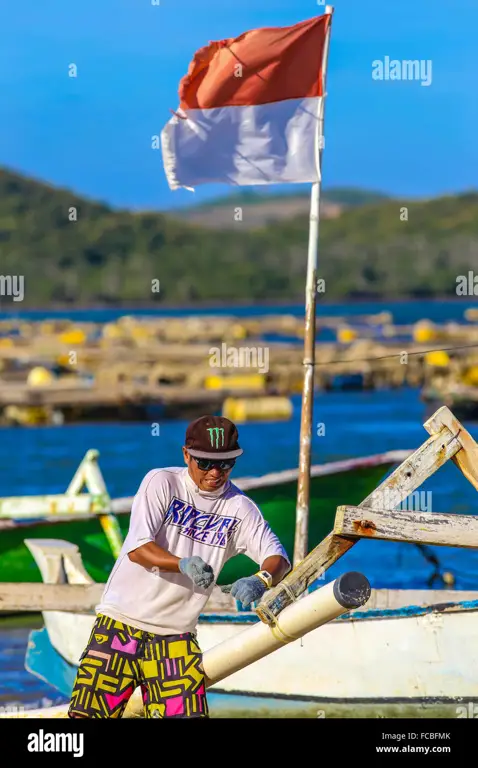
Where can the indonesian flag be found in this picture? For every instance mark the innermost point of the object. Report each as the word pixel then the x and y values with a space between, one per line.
pixel 249 110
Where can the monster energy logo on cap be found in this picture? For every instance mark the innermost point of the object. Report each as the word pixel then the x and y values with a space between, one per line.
pixel 218 434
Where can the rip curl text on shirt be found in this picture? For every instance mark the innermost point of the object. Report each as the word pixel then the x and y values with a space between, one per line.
pixel 205 527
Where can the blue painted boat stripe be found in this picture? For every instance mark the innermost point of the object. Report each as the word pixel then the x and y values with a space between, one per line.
pixel 396 613
pixel 229 618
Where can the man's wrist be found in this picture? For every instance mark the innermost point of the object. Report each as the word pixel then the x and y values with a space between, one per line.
pixel 265 577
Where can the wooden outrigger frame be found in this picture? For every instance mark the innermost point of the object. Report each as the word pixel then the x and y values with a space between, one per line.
pixel 377 517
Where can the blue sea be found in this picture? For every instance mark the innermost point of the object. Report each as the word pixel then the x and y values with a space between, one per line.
pixel 404 312
pixel 44 459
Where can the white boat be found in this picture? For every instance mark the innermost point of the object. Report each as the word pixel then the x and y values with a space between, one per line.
pixel 405 649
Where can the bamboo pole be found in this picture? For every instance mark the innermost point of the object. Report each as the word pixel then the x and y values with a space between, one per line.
pixel 303 490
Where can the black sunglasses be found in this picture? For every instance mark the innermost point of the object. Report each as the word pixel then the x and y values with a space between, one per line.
pixel 206 464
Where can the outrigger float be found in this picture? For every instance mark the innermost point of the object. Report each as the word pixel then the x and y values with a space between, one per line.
pixel 341 648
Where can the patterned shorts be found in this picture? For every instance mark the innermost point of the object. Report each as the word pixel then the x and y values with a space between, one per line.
pixel 118 658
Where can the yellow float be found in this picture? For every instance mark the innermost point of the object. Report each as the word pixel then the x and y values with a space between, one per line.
pixel 424 331
pixel 255 381
pixel 39 377
pixel 243 409
pixel 74 336
pixel 346 335
pixel 470 377
pixel 437 359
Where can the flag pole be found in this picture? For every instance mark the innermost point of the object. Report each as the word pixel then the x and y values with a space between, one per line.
pixel 303 490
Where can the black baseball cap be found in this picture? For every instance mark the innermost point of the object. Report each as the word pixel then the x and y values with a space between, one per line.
pixel 213 437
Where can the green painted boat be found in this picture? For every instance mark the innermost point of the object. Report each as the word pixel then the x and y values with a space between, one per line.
pixel 98 524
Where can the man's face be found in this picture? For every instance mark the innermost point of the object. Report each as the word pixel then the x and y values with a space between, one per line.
pixel 206 480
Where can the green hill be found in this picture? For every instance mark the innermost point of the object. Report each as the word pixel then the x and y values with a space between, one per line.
pixel 344 196
pixel 107 256
pixel 260 208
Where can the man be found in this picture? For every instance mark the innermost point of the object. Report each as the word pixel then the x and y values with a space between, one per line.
pixel 185 524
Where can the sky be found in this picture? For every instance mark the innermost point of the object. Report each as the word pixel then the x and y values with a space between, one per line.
pixel 92 133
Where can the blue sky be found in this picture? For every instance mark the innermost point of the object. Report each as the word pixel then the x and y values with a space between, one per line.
pixel 92 133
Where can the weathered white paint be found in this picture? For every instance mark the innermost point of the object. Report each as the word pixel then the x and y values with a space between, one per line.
pixel 420 656
pixel 411 473
pixel 397 525
pixel 443 421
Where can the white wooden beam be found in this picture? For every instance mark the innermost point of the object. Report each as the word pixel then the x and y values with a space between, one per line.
pixel 402 525
pixel 75 598
pixel 466 458
pixel 411 473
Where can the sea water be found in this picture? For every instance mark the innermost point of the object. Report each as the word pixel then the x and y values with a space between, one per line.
pixel 44 459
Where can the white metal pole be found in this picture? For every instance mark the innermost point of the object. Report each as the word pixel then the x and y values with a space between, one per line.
pixel 303 490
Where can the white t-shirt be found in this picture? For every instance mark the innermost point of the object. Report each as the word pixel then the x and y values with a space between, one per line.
pixel 172 511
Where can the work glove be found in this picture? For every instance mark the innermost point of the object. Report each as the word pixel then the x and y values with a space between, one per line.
pixel 198 571
pixel 247 590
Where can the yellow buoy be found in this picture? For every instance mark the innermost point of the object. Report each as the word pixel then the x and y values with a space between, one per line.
pixel 346 335
pixel 424 331
pixel 238 331
pixel 39 377
pixel 255 381
pixel 63 360
pixel 6 343
pixel 75 336
pixel 438 359
pixel 240 409
pixel 470 377
pixel 26 415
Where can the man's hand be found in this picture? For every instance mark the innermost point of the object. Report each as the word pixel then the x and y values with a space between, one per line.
pixel 246 590
pixel 198 571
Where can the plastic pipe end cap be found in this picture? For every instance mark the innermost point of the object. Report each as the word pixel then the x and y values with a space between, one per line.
pixel 352 589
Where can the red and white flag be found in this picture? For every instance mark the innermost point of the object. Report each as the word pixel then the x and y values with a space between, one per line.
pixel 249 109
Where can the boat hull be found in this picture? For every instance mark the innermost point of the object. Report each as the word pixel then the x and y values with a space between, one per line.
pixel 277 503
pixel 415 656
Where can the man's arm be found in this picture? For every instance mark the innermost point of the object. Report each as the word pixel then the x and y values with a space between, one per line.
pixel 277 566
pixel 150 555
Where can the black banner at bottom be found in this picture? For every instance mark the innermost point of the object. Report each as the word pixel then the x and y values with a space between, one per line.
pixel 36 740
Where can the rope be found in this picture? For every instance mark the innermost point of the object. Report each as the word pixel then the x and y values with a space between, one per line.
pixel 431 558
pixel 390 357
pixel 280 635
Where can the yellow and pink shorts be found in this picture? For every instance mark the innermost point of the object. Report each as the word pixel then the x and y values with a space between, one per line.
pixel 119 658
